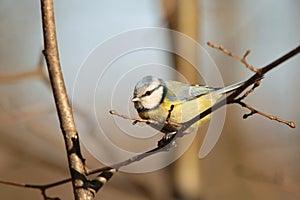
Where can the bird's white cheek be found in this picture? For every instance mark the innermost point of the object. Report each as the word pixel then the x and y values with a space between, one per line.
pixel 149 102
pixel 154 99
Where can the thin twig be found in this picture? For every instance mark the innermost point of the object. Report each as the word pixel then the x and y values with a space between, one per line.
pixel 231 54
pixel 257 76
pixel 37 72
pixel 13 77
pixel 271 117
pixel 260 72
pixel 255 85
pixel 42 188
pixel 147 121
pixel 255 111
pixel 12 183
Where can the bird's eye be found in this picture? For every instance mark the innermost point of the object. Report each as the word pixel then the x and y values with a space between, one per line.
pixel 148 93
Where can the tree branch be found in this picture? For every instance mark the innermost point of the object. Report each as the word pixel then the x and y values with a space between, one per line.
pixel 42 188
pixel 37 72
pixel 64 111
pixel 271 117
pixel 252 80
pixel 243 59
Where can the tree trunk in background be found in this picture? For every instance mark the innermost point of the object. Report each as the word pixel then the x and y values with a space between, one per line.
pixel 183 16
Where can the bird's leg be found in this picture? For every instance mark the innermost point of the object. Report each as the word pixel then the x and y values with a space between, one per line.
pixel 166 139
pixel 167 136
pixel 169 113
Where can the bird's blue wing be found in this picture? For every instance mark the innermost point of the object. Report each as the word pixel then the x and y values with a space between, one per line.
pixel 178 91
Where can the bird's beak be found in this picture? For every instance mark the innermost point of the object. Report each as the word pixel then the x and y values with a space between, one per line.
pixel 134 99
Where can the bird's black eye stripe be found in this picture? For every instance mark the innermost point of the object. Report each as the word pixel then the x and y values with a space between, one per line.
pixel 149 92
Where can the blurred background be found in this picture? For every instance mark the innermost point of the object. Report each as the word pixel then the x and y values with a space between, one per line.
pixel 253 159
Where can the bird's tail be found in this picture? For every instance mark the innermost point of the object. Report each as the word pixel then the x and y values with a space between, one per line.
pixel 230 88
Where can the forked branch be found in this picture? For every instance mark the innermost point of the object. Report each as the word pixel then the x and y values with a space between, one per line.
pixel 255 85
pixel 231 54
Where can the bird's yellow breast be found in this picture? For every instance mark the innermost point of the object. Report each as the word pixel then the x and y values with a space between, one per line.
pixel 181 112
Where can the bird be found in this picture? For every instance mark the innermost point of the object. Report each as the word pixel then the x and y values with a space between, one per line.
pixel 159 101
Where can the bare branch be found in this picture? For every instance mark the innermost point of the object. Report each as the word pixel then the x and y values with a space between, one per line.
pixel 38 187
pixel 13 77
pixel 65 115
pixel 259 74
pixel 136 120
pixel 271 117
pixel 255 85
pixel 37 72
pixel 243 59
pixel 12 183
pixel 147 121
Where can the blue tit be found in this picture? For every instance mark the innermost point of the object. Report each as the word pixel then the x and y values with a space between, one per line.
pixel 153 98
